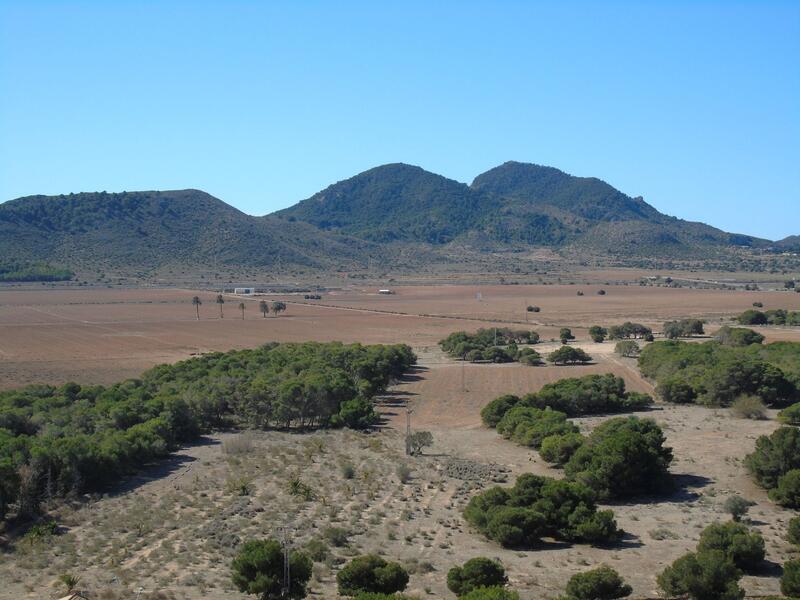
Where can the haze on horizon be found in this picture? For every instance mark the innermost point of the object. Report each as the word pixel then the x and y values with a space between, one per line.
pixel 693 106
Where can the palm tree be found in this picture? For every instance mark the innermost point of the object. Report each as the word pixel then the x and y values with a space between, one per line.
pixel 263 307
pixel 278 307
pixel 70 581
pixel 220 301
pixel 197 302
pixel 241 308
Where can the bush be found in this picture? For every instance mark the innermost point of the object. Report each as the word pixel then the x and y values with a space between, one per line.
pixel 752 317
pixel 533 309
pixel 787 493
pixel 497 408
pixel 683 328
pixel 491 593
pixel 738 336
pixel 602 583
pixel 774 456
pixel 476 573
pixel 337 536
pixel 568 355
pixel 376 596
pixel 623 457
pixel 540 506
pixel 676 391
pixel 628 330
pixel 371 573
pixel 529 426
pixel 790 415
pixel 565 335
pixel 743 547
pixel 749 407
pixel 737 507
pixel 790 581
pixel 258 569
pixel 793 535
pixel 420 440
pixel 558 449
pixel 588 395
pixel 530 357
pixel 702 576
pixel 627 348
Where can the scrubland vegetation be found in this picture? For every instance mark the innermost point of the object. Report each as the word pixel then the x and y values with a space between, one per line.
pixel 496 345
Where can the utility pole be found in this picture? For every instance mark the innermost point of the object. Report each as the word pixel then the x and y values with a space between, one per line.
pixel 284 535
pixel 409 411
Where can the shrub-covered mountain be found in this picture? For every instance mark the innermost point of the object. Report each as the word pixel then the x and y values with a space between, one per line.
pixel 515 203
pixel 395 216
pixel 154 229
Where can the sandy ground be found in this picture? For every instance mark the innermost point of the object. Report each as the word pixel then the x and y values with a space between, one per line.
pixel 104 335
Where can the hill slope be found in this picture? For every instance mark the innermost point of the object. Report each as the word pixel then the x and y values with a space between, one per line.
pixel 154 229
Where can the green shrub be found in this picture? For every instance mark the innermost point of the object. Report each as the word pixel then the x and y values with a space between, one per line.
pixel 337 536
pixel 774 456
pixel 597 333
pixel 540 506
pixel 622 458
pixel 602 583
pixel 787 493
pixel 558 449
pixel 627 348
pixel 790 415
pixel 491 593
pixel 702 576
pixel 371 573
pixel 529 426
pixel 790 581
pixel 737 507
pixel 745 548
pixel 258 569
pixel 793 535
pixel 476 573
pixel 497 408
pixel 588 395
pixel 737 336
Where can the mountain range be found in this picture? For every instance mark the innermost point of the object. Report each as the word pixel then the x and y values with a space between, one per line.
pixel 394 215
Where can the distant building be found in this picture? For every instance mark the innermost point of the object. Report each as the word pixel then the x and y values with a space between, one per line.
pixel 385 292
pixel 244 291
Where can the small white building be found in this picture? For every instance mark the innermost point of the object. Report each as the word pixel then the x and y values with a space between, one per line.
pixel 244 291
pixel 385 292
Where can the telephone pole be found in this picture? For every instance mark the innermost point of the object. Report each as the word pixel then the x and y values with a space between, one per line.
pixel 409 411
pixel 284 536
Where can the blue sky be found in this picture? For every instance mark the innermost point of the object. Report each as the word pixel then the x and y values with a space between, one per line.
pixel 693 105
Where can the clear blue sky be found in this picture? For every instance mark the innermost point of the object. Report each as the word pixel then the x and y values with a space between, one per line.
pixel 693 105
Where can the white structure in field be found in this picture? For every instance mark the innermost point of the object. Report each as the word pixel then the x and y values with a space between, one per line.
pixel 385 292
pixel 244 291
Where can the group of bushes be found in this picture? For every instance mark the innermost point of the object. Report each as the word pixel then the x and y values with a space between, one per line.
pixel 537 507
pixel 737 336
pixel 714 374
pixel 26 271
pixel 683 328
pixel 574 396
pixel 258 568
pixel 775 465
pixel 777 316
pixel 497 345
pixel 724 553
pixel 54 440
pixel 630 330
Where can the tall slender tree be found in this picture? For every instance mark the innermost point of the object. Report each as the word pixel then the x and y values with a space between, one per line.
pixel 241 308
pixel 220 302
pixel 264 308
pixel 197 302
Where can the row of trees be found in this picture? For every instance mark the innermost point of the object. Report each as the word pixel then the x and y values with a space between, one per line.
pixel 264 307
pixel 770 317
pixel 775 465
pixel 56 440
pixel 716 374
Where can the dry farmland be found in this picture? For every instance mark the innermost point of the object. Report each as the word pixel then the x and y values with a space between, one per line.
pixel 174 527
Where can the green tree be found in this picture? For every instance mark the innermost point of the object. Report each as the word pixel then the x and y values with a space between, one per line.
pixel 491 593
pixel 602 583
pixel 371 573
pixel 475 573
pixel 264 308
pixel 278 307
pixel 702 576
pixel 774 456
pixel 197 302
pixel 420 440
pixel 745 548
pixel 565 335
pixel 627 348
pixel 787 493
pixel 258 569
pixel 241 308
pixel 790 581
pixel 568 355
pixel 558 449
pixel 597 333
pixel 220 302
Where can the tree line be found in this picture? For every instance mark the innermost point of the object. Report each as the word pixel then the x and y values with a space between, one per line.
pixel 69 439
